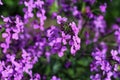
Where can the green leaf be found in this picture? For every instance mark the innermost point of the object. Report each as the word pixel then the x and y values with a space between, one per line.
pixel 54 7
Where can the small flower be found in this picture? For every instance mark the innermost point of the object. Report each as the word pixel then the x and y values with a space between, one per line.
pixel 96 77
pixel 65 37
pixel 75 44
pixel 1 2
pixel 55 78
pixel 61 53
pixel 115 55
pixel 103 8
pixel 74 28
pixel 61 20
pixel 99 23
pixel 15 36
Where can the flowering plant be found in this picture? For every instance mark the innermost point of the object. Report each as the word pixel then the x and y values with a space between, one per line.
pixel 59 40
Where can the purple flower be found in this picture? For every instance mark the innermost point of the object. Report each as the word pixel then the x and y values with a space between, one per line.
pixel 117 35
pixel 39 3
pixel 115 55
pixel 61 53
pixel 15 36
pixel 75 12
pixel 65 37
pixel 2 64
pixel 99 55
pixel 74 28
pixel 1 2
pixel 103 8
pixel 55 78
pixel 99 23
pixel 75 44
pixel 96 77
pixel 109 75
pixel 61 19
pixel 30 4
pixel 36 77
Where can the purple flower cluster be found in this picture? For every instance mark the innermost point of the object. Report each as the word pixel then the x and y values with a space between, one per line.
pixel 108 65
pixel 20 50
pixel 24 39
